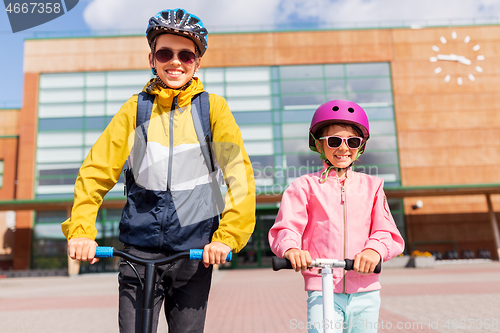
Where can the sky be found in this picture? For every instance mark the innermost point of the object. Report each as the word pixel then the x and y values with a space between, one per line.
pixel 110 17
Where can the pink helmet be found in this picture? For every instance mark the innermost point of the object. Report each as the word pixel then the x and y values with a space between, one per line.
pixel 339 112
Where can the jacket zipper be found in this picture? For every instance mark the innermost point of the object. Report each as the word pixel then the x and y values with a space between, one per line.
pixel 169 172
pixel 345 230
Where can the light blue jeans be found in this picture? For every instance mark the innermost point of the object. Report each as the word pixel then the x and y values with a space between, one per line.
pixel 354 313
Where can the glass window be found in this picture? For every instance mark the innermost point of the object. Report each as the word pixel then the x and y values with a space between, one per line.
pixel 59 139
pixel 249 104
pixel 247 74
pixel 60 110
pixel 382 142
pixel 373 98
pixel 305 101
pixel 215 88
pixel 92 123
pixel 128 78
pixel 299 115
pixel 335 85
pixel 95 94
pixel 91 137
pixel 265 117
pixel 296 145
pixel 121 94
pixel 285 98
pixel 295 130
pixel 57 170
pixel 380 157
pixel 369 84
pixel 302 86
pixel 303 72
pixel 379 113
pixel 256 133
pixel 382 127
pixel 215 75
pixel 95 109
pixel 337 95
pixel 61 96
pixel 47 155
pixel 61 80
pixel 368 69
pixel 95 79
pixel 113 107
pixel 50 124
pixel 259 148
pixel 310 162
pixel 336 70
pixel 260 89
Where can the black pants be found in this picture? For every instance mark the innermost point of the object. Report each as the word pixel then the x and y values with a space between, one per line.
pixel 184 292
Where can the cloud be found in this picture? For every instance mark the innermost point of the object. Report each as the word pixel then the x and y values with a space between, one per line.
pixel 224 15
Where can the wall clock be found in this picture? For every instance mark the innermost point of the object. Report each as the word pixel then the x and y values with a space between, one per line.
pixel 471 59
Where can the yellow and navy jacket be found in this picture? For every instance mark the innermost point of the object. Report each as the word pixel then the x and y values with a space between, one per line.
pixel 169 204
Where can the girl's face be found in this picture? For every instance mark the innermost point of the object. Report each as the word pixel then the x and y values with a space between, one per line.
pixel 179 69
pixel 343 156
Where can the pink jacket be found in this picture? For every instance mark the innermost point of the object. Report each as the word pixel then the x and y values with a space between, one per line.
pixel 336 222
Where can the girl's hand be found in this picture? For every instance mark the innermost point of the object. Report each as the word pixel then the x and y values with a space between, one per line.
pixel 300 259
pixel 366 261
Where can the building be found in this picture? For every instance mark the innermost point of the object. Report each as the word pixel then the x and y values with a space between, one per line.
pixel 432 96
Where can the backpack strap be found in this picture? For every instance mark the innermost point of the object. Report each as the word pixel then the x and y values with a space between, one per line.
pixel 201 121
pixel 144 108
pixel 203 132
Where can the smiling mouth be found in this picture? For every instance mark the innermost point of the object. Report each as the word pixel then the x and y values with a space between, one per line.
pixel 174 72
pixel 342 157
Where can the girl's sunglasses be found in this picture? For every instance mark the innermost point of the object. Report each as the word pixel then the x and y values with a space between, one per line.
pixel 334 141
pixel 165 55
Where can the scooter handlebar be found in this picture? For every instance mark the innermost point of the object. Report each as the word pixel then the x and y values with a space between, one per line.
pixel 197 254
pixel 283 263
pixel 109 252
pixel 104 252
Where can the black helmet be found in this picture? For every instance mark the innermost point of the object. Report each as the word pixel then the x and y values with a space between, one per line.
pixel 179 22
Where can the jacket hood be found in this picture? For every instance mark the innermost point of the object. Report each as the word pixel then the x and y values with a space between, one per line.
pixel 165 95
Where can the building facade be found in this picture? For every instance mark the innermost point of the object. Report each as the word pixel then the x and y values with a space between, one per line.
pixel 432 97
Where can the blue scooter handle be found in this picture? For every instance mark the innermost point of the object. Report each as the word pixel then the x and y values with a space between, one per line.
pixel 108 252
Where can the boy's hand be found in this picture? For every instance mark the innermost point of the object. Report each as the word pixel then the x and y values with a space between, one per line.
pixel 300 259
pixel 215 253
pixel 83 249
pixel 366 261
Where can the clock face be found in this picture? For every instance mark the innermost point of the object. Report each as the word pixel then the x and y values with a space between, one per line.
pixel 469 56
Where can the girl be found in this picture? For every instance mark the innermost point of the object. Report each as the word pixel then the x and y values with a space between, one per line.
pixel 338 213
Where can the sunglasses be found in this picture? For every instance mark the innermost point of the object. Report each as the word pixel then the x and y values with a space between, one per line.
pixel 165 55
pixel 334 141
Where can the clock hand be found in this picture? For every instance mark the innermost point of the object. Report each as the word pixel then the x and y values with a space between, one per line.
pixel 450 57
pixel 454 57
pixel 464 60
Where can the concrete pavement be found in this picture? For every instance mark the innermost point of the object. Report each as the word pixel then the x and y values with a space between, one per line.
pixel 447 298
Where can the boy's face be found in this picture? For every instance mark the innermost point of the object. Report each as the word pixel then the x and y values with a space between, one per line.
pixel 342 156
pixel 174 72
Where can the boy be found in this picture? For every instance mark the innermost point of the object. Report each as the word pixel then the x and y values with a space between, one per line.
pixel 170 205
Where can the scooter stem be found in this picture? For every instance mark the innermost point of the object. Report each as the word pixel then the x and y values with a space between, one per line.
pixel 328 301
